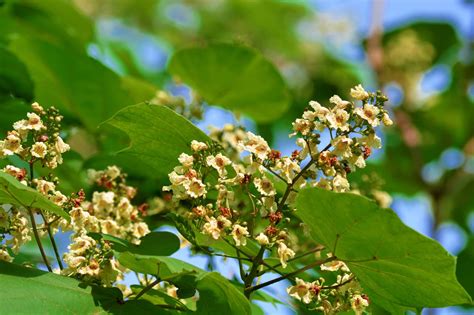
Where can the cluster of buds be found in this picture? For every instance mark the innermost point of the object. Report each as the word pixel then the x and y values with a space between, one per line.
pixel 36 138
pixel 229 186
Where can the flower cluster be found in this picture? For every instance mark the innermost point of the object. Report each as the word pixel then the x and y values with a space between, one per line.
pixel 36 138
pixel 109 212
pixel 229 186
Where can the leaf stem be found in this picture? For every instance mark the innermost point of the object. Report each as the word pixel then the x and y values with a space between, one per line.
pixel 148 288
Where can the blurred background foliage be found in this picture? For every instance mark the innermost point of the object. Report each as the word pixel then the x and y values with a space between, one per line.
pixel 91 58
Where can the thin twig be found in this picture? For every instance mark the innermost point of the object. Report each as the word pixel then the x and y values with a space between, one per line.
pixel 291 274
pixel 38 241
pixel 53 242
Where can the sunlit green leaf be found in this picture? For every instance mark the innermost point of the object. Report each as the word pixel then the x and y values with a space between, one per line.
pixel 233 77
pixel 393 262
pixel 157 136
pixel 14 193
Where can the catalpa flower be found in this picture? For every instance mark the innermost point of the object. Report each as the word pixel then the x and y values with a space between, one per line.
pixel 359 93
pixel 264 186
pixel 338 118
pixel 240 234
pixel 369 113
pixel 285 253
pixel 219 162
pixel 256 145
pixel 338 102
pixel 39 150
pixel 300 291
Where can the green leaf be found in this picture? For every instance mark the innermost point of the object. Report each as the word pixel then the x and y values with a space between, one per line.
pixel 81 87
pixel 152 244
pixel 218 296
pixel 465 265
pixel 393 263
pixel 14 193
pixel 158 297
pixel 58 22
pixel 155 265
pixel 234 77
pixel 27 290
pixel 14 77
pixel 157 136
pixel 159 244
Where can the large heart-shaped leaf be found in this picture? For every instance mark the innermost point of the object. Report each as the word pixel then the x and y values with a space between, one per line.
pixel 14 193
pixel 394 264
pixel 157 134
pixel 65 78
pixel 234 77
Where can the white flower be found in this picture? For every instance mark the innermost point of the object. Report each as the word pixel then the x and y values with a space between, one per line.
pixel 92 269
pixel 109 226
pixel 186 160
pixel 5 256
pixel 219 162
pixel 240 233
pixel 285 253
pixel 262 239
pixel 288 168
pixel 309 115
pixel 214 227
pixel 338 119
pixel 302 126
pixel 15 171
pixel 300 291
pixel 81 244
pixel 39 150
pixel 195 188
pixel 264 186
pixel 320 111
pixel 371 141
pixel 44 187
pixel 103 200
pixel 342 146
pixel 340 184
pixel 33 122
pixel 369 113
pixel 335 265
pixel 140 229
pixel 359 303
pixel 112 171
pixel 73 261
pixel 340 104
pixel 359 93
pixel 58 198
pixel 198 146
pixel 386 120
pixel 256 145
pixel 62 147
pixel 357 160
pixel 12 144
